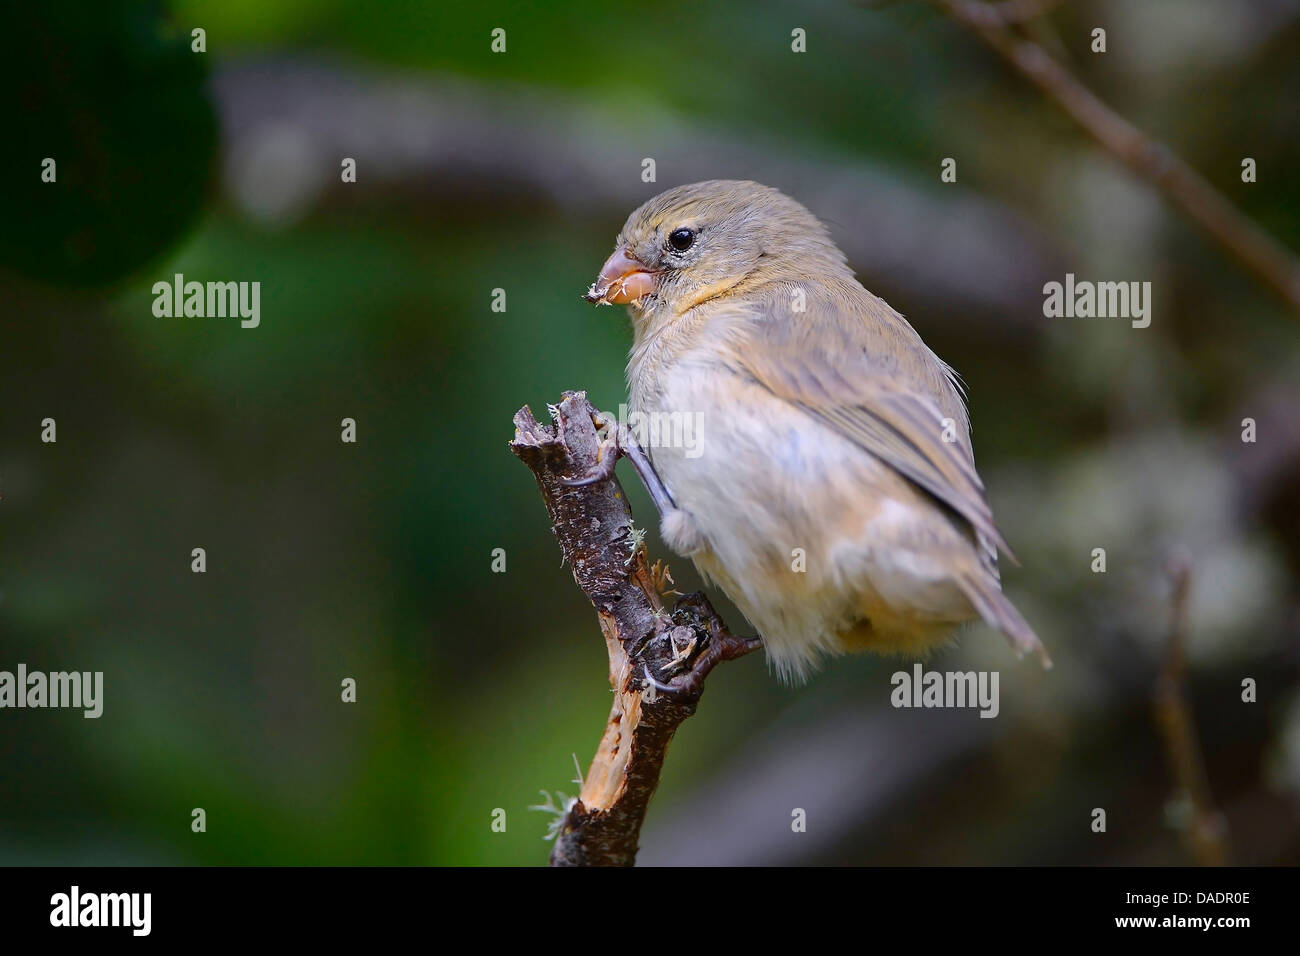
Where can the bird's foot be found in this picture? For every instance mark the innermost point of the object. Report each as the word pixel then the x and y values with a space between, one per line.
pixel 619 441
pixel 694 614
pixel 606 455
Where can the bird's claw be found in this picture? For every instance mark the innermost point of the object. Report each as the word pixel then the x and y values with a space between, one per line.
pixel 602 472
pixel 720 645
pixel 607 456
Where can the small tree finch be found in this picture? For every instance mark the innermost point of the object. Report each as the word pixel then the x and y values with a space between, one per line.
pixel 833 494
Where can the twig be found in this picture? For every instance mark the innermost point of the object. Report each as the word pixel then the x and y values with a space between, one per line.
pixel 657 660
pixel 1148 158
pixel 1206 832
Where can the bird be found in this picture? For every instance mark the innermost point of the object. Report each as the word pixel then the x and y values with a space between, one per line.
pixel 832 495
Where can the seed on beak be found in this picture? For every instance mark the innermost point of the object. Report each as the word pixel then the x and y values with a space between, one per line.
pixel 622 279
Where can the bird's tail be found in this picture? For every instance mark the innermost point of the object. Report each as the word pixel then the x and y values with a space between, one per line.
pixel 997 611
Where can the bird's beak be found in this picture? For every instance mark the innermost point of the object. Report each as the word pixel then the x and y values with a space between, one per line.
pixel 622 279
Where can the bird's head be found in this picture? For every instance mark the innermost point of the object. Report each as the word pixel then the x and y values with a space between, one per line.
pixel 693 243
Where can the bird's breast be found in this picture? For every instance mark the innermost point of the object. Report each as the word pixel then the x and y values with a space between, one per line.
pixel 759 476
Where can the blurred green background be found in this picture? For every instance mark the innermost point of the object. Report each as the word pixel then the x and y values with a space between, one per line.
pixel 479 171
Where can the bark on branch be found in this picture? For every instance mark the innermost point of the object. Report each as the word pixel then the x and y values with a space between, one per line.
pixel 658 659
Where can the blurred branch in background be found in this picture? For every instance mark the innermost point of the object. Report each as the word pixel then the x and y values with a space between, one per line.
pixel 1205 830
pixel 445 141
pixel 646 644
pixel 1153 161
pixel 1014 11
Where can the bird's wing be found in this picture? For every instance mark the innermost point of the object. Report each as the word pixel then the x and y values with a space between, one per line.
pixel 866 373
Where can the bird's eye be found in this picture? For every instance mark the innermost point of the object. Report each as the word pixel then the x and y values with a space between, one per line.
pixel 682 239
